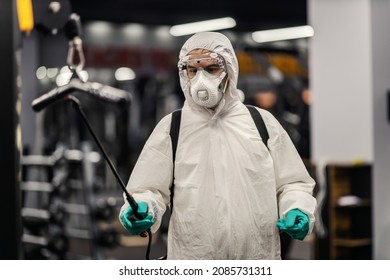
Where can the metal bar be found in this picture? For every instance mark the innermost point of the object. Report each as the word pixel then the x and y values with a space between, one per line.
pixel 32 186
pixel 10 235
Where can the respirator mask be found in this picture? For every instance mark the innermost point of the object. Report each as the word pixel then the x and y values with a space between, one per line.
pixel 205 73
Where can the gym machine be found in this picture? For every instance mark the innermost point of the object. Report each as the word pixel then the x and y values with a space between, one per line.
pixel 60 191
pixel 65 206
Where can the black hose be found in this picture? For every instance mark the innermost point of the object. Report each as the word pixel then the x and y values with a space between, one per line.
pixel 130 199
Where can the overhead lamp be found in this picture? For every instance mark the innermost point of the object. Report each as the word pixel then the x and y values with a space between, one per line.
pixel 283 34
pixel 199 26
pixel 124 74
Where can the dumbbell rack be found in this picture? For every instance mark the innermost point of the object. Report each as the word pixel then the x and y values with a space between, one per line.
pixel 63 215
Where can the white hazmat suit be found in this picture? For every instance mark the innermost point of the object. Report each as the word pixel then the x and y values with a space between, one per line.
pixel 230 189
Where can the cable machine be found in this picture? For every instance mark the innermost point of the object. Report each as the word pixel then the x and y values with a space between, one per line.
pixel 60 197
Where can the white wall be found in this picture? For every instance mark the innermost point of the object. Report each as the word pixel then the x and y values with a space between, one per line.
pixel 350 77
pixel 340 73
pixel 380 28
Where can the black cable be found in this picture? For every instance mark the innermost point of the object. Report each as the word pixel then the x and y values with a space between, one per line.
pixel 129 198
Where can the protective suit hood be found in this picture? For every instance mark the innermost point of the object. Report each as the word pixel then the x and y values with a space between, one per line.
pixel 220 44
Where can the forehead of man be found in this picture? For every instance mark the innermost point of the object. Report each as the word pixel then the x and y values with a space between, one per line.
pixel 201 58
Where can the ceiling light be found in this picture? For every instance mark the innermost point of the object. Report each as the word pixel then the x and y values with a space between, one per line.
pixel 134 30
pixel 100 30
pixel 283 34
pixel 124 74
pixel 41 72
pixel 199 26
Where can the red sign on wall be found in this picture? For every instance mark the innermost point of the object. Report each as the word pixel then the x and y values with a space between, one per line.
pixel 135 58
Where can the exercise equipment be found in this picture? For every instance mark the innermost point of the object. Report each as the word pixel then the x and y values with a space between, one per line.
pixel 104 208
pixel 95 209
pixel 36 219
pixel 108 237
pixel 51 16
pixel 76 83
pixel 95 90
pixel 54 216
pixel 56 242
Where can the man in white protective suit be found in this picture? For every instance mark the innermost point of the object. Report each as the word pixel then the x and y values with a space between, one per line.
pixel 233 195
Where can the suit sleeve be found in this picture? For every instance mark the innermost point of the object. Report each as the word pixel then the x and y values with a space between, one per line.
pixel 294 185
pixel 151 177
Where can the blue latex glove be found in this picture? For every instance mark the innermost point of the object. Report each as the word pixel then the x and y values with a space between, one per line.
pixel 296 224
pixel 132 224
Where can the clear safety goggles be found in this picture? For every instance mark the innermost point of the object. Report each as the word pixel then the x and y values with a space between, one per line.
pixel 210 62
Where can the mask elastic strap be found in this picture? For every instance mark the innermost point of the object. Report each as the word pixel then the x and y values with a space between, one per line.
pixel 226 83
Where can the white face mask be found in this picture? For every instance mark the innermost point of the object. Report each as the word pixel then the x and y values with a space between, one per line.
pixel 206 89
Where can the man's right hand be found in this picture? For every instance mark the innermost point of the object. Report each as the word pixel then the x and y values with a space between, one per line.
pixel 134 225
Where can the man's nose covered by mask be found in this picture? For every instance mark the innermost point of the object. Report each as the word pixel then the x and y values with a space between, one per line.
pixel 206 89
pixel 205 75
